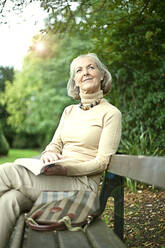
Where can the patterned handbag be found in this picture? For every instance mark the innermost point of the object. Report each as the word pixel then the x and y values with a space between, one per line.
pixel 72 210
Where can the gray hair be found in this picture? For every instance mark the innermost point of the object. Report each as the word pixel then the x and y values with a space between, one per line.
pixel 74 91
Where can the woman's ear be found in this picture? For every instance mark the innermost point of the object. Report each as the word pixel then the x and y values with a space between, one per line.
pixel 76 84
pixel 102 76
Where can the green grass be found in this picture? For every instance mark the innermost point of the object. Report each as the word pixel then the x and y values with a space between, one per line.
pixel 18 153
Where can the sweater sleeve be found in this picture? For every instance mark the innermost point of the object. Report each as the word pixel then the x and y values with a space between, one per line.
pixel 108 145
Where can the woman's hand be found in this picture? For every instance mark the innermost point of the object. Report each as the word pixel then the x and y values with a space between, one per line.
pixel 56 170
pixel 49 156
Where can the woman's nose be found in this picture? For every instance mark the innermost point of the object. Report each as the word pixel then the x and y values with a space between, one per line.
pixel 86 71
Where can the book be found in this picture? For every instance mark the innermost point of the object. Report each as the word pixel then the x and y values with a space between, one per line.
pixel 36 166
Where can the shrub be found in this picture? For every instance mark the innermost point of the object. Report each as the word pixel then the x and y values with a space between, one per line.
pixel 4 146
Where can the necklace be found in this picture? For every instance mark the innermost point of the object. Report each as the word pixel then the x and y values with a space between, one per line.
pixel 88 106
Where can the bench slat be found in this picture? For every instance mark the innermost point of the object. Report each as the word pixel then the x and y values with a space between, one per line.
pixel 150 170
pixel 98 235
pixel 38 239
pixel 101 236
pixel 68 239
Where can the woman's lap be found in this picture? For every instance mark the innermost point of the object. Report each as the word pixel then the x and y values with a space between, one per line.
pixel 17 177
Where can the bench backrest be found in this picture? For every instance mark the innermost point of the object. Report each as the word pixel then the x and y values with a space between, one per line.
pixel 150 170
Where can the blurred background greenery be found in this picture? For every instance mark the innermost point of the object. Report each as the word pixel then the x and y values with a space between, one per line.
pixel 128 36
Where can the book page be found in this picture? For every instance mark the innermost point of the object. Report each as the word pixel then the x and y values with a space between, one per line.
pixel 36 165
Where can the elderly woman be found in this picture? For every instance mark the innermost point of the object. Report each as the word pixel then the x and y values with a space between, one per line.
pixel 88 133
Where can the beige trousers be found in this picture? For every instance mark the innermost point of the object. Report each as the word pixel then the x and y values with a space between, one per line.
pixel 19 188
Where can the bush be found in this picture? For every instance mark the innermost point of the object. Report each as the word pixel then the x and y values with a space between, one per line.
pixel 4 146
pixel 23 140
pixel 140 143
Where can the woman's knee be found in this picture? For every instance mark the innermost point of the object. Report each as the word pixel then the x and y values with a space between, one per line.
pixel 14 202
pixel 5 165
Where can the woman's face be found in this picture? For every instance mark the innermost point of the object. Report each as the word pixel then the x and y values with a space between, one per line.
pixel 87 75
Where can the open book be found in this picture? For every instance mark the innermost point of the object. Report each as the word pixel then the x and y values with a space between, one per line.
pixel 36 166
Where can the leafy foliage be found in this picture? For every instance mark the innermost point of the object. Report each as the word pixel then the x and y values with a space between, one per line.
pixel 6 73
pixel 4 146
pixel 128 36
pixel 38 95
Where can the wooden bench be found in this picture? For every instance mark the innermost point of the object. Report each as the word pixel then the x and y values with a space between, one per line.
pixel 150 170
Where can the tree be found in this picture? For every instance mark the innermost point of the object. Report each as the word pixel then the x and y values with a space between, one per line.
pixel 129 36
pixel 37 97
pixel 4 146
pixel 6 73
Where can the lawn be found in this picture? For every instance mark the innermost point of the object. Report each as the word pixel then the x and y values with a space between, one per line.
pixel 18 153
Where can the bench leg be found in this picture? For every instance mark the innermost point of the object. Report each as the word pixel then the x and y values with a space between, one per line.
pixel 113 185
pixel 119 209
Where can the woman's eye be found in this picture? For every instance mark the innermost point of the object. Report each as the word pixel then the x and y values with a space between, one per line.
pixel 78 70
pixel 91 67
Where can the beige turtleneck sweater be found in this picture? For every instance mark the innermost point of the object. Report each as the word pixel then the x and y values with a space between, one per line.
pixel 88 137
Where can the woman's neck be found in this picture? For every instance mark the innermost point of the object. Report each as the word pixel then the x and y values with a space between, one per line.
pixel 91 98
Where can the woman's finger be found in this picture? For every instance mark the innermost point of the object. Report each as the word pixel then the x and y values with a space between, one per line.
pixel 60 156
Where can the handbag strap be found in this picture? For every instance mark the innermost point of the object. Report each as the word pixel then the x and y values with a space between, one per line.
pixel 68 224
pixel 63 222
pixel 46 227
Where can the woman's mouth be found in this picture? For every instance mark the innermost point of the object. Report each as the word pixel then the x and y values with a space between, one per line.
pixel 86 79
